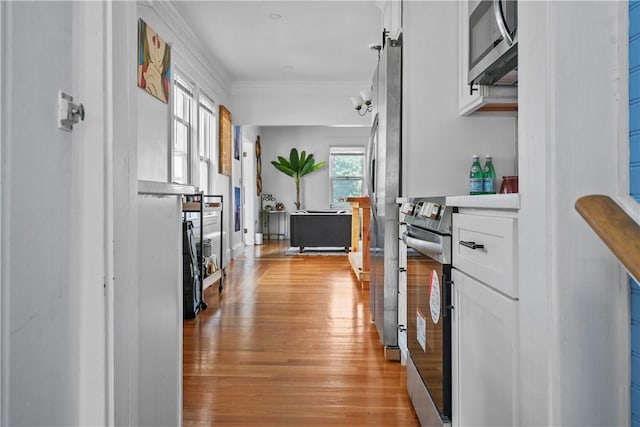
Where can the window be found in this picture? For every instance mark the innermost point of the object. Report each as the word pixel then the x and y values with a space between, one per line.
pixel 206 138
pixel 182 111
pixel 346 171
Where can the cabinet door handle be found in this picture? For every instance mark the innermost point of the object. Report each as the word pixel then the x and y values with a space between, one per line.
pixel 472 245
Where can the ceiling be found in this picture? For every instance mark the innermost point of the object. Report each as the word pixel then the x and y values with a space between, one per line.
pixel 288 41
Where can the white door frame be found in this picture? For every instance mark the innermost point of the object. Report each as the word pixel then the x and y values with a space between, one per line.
pixel 122 213
pixel 248 187
pixel 3 355
pixel 91 70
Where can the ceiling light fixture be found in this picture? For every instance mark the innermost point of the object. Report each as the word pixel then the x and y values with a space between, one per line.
pixel 275 16
pixel 362 103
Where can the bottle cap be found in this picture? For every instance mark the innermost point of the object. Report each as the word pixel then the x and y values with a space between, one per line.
pixel 488 156
pixel 475 156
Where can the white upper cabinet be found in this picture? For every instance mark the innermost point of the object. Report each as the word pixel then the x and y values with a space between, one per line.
pixel 391 17
pixel 481 98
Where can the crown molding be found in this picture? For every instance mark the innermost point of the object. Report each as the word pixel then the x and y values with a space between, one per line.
pixel 254 87
pixel 168 13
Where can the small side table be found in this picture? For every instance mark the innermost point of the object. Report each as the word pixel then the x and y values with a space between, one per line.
pixel 278 216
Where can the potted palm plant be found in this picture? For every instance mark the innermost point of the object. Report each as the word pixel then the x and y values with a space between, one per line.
pixel 296 167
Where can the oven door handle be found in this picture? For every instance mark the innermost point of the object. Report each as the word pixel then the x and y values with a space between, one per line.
pixel 429 249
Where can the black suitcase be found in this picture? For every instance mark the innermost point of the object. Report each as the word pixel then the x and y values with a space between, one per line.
pixel 190 273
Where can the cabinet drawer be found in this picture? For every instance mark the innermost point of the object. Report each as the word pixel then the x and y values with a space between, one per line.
pixel 493 258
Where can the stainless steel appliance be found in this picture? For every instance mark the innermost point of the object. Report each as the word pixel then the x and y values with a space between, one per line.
pixel 493 42
pixel 428 270
pixel 383 181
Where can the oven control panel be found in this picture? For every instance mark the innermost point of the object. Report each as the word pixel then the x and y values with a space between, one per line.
pixel 429 213
pixel 421 209
pixel 430 210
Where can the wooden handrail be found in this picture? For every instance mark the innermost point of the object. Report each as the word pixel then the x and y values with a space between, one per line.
pixel 616 229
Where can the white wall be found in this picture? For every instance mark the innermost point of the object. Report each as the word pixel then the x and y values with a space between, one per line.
pixel 438 142
pixel 574 324
pixel 315 191
pixel 40 315
pixel 320 104
pixel 154 126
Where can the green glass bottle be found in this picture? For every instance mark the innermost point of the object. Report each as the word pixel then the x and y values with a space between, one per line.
pixel 489 179
pixel 476 177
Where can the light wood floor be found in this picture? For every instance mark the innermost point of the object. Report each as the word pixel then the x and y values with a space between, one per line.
pixel 289 342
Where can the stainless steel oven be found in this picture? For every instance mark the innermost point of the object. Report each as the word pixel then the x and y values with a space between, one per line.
pixel 428 277
pixel 493 42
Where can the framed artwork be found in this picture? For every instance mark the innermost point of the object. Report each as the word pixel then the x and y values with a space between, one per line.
pixel 225 141
pixel 154 63
pixel 236 142
pixel 258 167
pixel 236 213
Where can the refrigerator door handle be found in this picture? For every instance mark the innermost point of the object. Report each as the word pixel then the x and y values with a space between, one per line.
pixel 372 166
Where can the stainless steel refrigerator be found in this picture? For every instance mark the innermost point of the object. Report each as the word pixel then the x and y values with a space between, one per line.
pixel 383 179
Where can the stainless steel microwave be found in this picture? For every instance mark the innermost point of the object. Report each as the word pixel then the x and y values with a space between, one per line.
pixel 493 42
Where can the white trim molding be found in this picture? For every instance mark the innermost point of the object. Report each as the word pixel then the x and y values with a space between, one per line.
pixel 250 87
pixel 3 134
pixel 168 13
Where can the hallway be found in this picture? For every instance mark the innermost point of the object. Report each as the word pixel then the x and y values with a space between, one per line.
pixel 289 342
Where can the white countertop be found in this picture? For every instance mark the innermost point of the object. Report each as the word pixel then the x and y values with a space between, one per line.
pixel 489 201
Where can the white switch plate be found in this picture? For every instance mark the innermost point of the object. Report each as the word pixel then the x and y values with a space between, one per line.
pixel 63 110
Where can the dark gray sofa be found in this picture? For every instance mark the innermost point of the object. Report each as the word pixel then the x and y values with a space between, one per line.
pixel 320 229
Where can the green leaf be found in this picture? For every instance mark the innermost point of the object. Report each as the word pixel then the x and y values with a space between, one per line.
pixel 284 162
pixel 294 160
pixel 317 166
pixel 282 168
pixel 303 158
pixel 306 169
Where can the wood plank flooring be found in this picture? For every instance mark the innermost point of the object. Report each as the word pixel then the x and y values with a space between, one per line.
pixel 289 342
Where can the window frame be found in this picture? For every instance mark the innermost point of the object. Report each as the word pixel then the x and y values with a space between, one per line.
pixel 181 84
pixel 353 150
pixel 206 105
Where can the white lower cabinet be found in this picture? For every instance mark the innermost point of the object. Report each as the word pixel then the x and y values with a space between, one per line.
pixel 485 322
pixel 484 341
